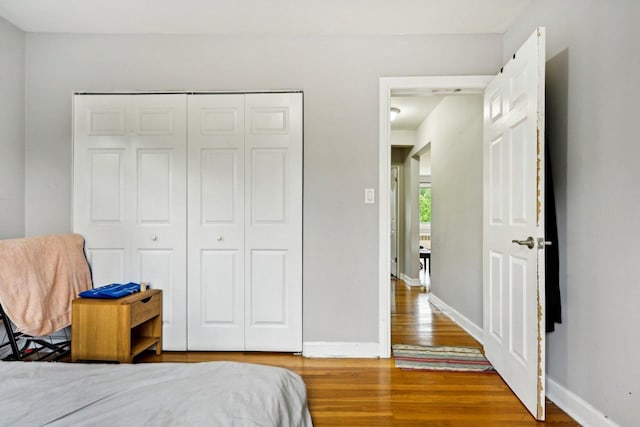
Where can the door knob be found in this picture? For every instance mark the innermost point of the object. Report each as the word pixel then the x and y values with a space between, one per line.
pixel 154 237
pixel 219 238
pixel 530 242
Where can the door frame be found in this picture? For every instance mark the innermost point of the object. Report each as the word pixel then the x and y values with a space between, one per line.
pixel 387 84
pixel 397 213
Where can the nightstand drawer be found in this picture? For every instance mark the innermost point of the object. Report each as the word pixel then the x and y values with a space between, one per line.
pixel 145 309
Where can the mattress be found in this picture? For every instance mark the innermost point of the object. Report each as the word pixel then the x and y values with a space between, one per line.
pixel 153 394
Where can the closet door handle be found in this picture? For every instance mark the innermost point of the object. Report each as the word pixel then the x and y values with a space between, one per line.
pixel 219 238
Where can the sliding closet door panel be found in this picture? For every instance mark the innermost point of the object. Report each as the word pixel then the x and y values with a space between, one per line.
pixel 100 175
pixel 158 142
pixel 216 222
pixel 273 225
pixel 130 195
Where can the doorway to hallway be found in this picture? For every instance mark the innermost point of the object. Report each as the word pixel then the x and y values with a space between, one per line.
pixel 416 321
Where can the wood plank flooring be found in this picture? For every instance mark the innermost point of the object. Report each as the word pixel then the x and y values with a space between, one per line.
pixel 372 392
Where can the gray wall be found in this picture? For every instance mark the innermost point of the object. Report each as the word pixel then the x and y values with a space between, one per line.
pixel 12 101
pixel 340 80
pixel 593 64
pixel 455 131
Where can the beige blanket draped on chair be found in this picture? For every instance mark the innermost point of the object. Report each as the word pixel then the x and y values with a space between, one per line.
pixel 39 277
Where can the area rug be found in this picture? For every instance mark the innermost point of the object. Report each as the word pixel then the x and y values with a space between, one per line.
pixel 440 358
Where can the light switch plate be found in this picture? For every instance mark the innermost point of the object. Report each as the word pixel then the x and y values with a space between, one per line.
pixel 369 195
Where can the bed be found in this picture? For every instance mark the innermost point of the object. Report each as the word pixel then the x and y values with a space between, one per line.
pixel 157 394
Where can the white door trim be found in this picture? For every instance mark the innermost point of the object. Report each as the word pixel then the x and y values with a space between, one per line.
pixel 419 84
pixel 396 228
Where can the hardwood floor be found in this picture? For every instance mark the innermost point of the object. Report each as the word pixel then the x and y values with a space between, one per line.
pixel 372 392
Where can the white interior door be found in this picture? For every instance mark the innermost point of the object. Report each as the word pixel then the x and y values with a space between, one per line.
pixel 216 222
pixel 273 222
pixel 158 191
pixel 514 295
pixel 101 174
pixel 130 195
pixel 394 221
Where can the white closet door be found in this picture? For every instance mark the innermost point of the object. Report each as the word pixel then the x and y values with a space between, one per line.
pixel 101 171
pixel 273 222
pixel 158 138
pixel 216 222
pixel 130 195
pixel 244 215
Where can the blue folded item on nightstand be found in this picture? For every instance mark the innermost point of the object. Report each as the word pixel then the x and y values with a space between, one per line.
pixel 112 291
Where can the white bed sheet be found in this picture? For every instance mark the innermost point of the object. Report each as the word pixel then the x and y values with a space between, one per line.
pixel 151 394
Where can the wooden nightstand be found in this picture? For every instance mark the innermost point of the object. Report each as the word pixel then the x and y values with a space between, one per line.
pixel 116 329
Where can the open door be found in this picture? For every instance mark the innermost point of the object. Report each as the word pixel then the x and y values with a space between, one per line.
pixel 513 224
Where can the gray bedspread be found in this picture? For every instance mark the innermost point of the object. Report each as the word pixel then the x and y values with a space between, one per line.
pixel 153 394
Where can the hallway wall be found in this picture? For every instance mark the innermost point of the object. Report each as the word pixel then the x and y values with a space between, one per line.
pixel 454 129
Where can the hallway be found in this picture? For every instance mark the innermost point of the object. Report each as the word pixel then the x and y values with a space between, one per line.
pixel 414 320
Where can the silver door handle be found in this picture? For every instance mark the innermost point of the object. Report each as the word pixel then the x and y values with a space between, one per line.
pixel 542 243
pixel 530 242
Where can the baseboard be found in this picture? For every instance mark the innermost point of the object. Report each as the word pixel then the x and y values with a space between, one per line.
pixel 410 281
pixel 576 407
pixel 358 350
pixel 472 329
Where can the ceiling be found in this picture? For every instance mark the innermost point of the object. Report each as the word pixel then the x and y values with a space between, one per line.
pixel 416 104
pixel 264 17
pixel 413 110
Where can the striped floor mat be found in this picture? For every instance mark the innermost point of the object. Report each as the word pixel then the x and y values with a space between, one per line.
pixel 440 358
